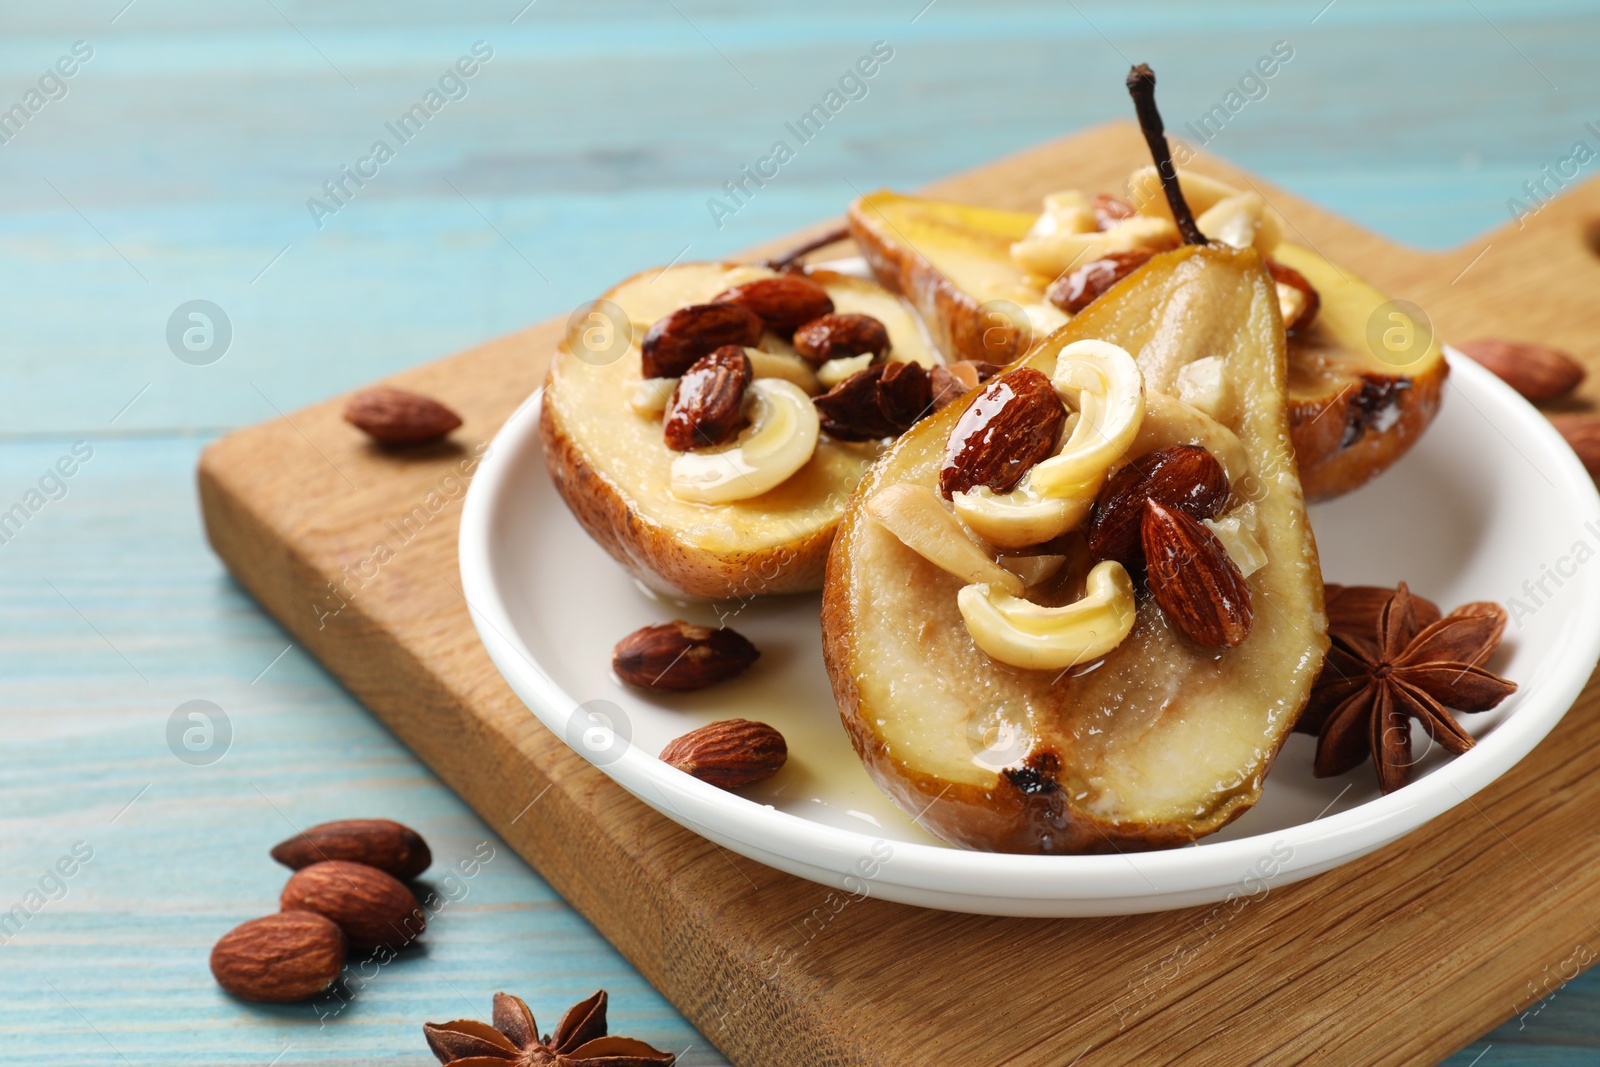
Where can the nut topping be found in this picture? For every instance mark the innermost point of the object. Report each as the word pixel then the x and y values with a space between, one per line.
pixel 707 405
pixel 677 341
pixel 784 303
pixel 729 754
pixel 1538 372
pixel 678 656
pixel 881 401
pixel 1186 477
pixel 841 335
pixel 1300 302
pixel 280 958
pixel 1078 289
pixel 397 417
pixel 1193 580
pixel 1013 424
pixel 1110 210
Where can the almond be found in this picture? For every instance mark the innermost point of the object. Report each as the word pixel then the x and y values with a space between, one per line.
pixel 678 656
pixel 1186 477
pixel 371 907
pixel 1306 305
pixel 1538 372
pixel 1077 289
pixel 708 403
pixel 396 417
pixel 784 303
pixel 1110 210
pixel 1192 579
pixel 840 336
pixel 381 843
pixel 1583 434
pixel 1013 424
pixel 279 958
pixel 881 401
pixel 729 754
pixel 944 387
pixel 678 340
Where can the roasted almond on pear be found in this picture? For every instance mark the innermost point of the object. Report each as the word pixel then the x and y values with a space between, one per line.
pixel 708 403
pixel 1186 477
pixel 677 340
pixel 784 303
pixel 1193 579
pixel 1013 424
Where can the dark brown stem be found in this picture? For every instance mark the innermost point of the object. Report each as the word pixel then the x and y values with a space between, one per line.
pixel 1142 87
pixel 790 259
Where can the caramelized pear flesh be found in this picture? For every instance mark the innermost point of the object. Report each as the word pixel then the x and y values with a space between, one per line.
pixel 1353 410
pixel 612 465
pixel 1160 742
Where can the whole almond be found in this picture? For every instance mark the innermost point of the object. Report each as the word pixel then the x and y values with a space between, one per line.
pixel 279 958
pixel 1078 288
pixel 784 303
pixel 1193 579
pixel 678 340
pixel 707 404
pixel 679 656
pixel 1538 372
pixel 1110 210
pixel 729 754
pixel 397 417
pixel 1583 434
pixel 882 401
pixel 1186 477
pixel 372 908
pixel 1013 424
pixel 1283 274
pixel 841 336
pixel 381 843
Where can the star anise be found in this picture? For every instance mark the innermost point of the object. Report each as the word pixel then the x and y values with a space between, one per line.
pixel 1395 658
pixel 579 1040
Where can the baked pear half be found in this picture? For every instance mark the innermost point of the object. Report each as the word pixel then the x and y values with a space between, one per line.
pixel 1365 379
pixel 1072 613
pixel 710 478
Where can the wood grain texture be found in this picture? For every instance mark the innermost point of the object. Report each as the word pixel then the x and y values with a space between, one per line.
pixel 1396 959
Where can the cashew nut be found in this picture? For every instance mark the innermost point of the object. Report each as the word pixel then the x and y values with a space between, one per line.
pixel 1242 220
pixel 835 371
pixel 779 441
pixel 1054 253
pixel 916 515
pixel 649 396
pixel 1104 384
pixel 1035 637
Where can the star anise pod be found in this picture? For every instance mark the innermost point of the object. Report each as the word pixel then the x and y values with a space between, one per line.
pixel 1395 658
pixel 579 1040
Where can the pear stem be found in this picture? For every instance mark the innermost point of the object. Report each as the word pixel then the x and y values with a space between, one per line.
pixel 790 260
pixel 1142 87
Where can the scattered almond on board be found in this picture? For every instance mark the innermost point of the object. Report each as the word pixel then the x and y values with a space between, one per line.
pixel 393 416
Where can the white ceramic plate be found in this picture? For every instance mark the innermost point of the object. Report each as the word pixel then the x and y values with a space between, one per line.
pixel 1490 505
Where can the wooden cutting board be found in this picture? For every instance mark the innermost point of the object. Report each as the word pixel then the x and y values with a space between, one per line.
pixel 1400 958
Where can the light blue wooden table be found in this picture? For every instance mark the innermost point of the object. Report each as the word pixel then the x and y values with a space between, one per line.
pixel 176 164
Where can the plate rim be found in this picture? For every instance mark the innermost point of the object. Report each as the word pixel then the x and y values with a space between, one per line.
pixel 927 874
